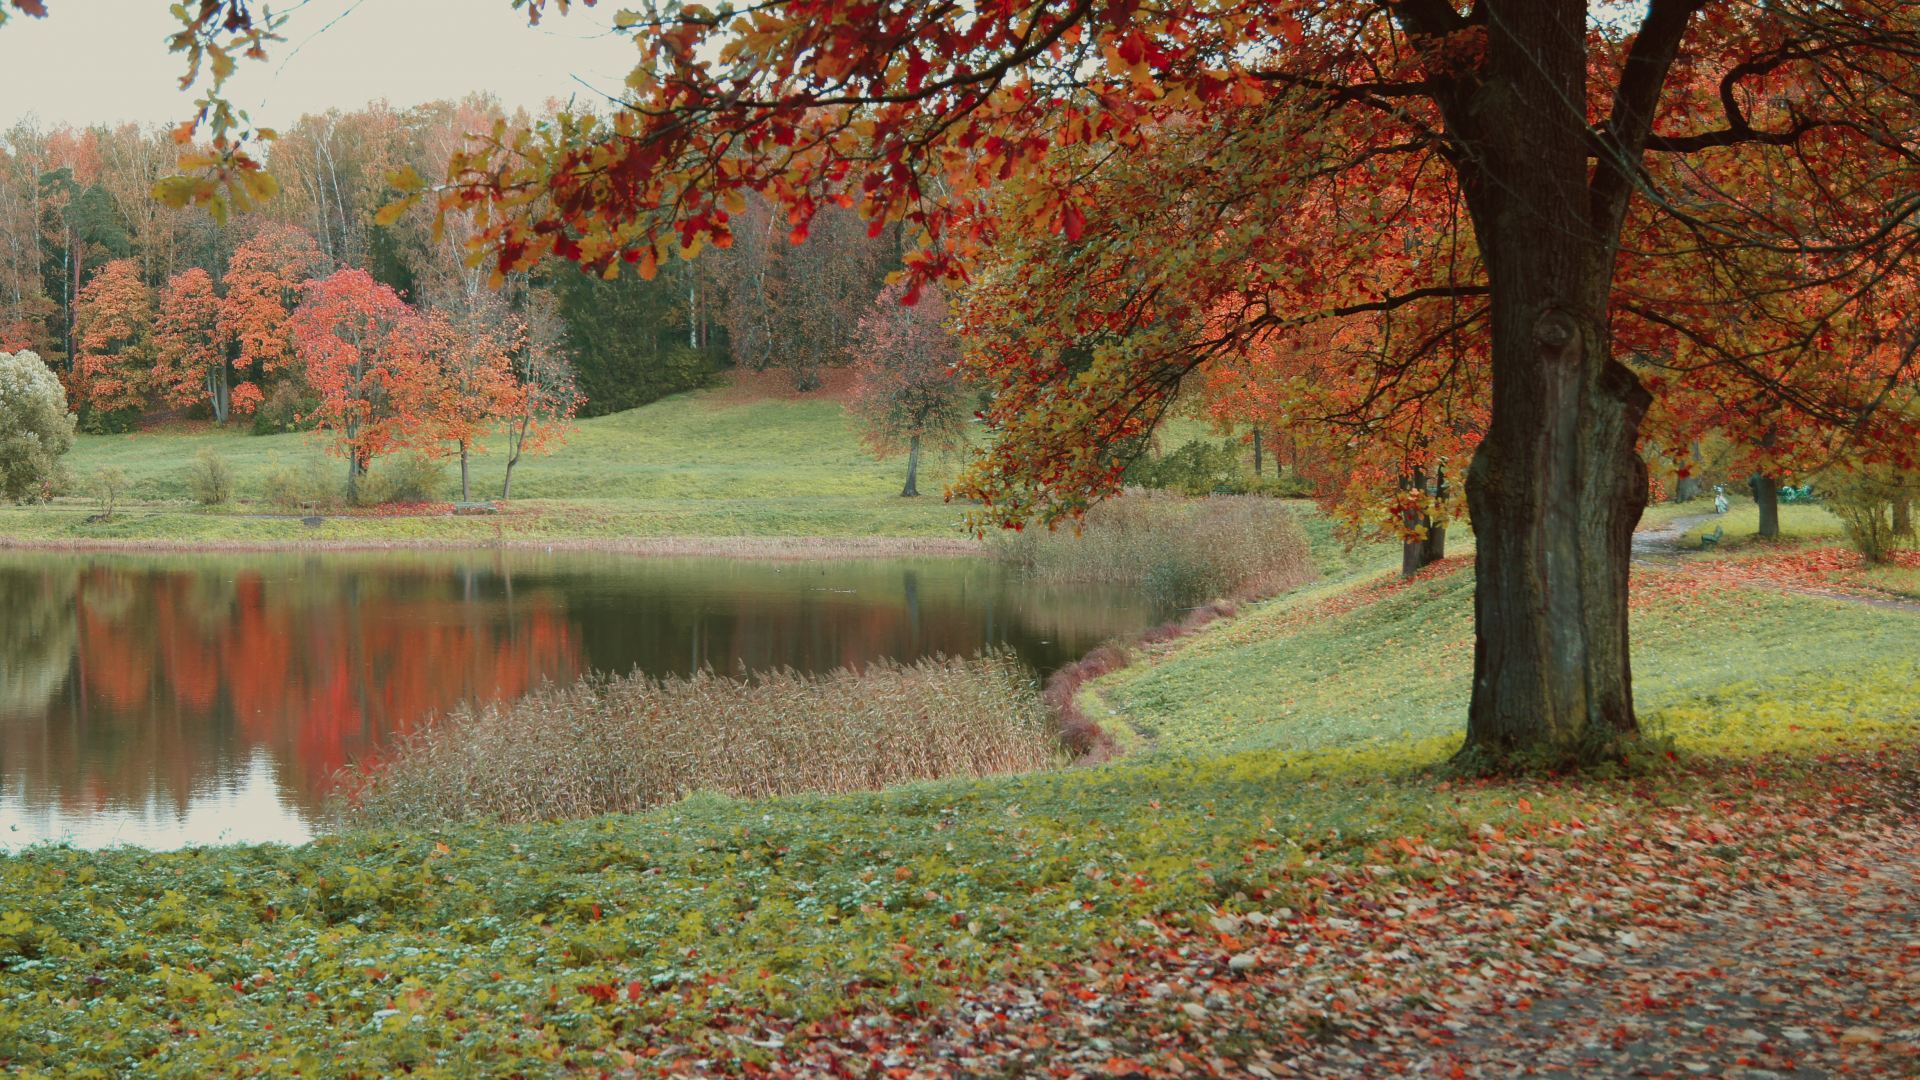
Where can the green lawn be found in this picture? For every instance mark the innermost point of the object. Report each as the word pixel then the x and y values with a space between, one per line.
pixel 1398 671
pixel 689 446
pixel 696 464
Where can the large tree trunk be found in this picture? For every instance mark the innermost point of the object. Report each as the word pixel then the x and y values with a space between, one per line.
pixel 1766 495
pixel 1903 514
pixel 912 490
pixel 466 488
pixel 1555 488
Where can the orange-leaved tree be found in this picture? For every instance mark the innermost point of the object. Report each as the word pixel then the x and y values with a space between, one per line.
pixel 113 321
pixel 1497 197
pixel 263 285
pixel 369 362
pixel 907 391
pixel 189 350
pixel 466 383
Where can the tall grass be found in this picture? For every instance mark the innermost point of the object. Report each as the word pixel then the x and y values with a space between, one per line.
pixel 619 745
pixel 1179 551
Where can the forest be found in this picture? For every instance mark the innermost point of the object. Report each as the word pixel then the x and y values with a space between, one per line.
pixel 143 310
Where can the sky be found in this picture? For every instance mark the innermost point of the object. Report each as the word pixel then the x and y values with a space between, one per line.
pixel 106 61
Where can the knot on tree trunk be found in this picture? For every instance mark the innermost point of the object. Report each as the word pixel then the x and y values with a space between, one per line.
pixel 1555 330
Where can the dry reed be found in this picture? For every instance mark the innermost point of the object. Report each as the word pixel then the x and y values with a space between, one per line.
pixel 1178 550
pixel 620 745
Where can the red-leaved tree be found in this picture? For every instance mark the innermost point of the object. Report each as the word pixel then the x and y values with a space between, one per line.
pixel 907 392
pixel 113 319
pixel 1563 213
pixel 368 359
pixel 189 349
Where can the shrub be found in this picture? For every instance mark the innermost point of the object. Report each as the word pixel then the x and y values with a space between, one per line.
pixel 1179 551
pixel 291 407
pixel 1875 507
pixel 36 430
pixel 210 478
pixel 405 478
pixel 107 485
pixel 619 745
pixel 1196 468
pixel 312 482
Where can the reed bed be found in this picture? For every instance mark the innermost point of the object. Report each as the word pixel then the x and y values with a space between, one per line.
pixel 623 744
pixel 1179 550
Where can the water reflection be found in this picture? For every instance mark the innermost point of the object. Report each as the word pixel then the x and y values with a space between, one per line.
pixel 198 699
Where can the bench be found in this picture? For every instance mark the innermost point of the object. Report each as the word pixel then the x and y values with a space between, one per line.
pixel 1711 540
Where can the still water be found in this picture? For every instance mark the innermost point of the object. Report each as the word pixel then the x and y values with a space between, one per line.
pixel 194 699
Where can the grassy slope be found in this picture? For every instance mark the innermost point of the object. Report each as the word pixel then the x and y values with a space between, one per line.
pixel 693 464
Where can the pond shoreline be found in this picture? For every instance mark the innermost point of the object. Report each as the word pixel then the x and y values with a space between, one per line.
pixel 782 548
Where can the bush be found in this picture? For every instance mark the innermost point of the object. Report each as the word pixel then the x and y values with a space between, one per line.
pixel 312 482
pixel 621 745
pixel 1875 506
pixel 111 421
pixel 107 485
pixel 210 478
pixel 1196 468
pixel 36 430
pixel 290 407
pixel 1179 550
pixel 405 478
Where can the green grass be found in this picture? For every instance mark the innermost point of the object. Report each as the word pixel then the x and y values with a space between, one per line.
pixel 697 464
pixel 697 445
pixel 1399 671
pixel 531 520
pixel 1799 523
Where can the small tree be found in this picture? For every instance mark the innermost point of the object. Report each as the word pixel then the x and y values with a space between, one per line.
pixel 35 427
pixel 906 391
pixel 470 386
pixel 107 483
pixel 545 395
pixel 365 360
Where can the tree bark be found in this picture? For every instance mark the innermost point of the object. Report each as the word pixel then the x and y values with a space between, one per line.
pixel 1436 545
pixel 1556 487
pixel 912 490
pixel 1766 495
pixel 1903 515
pixel 1413 551
pixel 1689 488
pixel 466 488
pixel 1256 453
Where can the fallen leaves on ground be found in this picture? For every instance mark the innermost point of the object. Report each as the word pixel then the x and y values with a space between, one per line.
pixel 1725 917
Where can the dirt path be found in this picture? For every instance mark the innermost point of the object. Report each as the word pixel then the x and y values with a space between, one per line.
pixel 1665 539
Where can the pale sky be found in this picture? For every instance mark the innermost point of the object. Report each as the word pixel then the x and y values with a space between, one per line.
pixel 106 61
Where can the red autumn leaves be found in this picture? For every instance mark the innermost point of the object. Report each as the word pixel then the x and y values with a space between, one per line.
pixel 392 377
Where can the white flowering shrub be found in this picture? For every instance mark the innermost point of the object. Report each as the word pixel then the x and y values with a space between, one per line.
pixel 36 429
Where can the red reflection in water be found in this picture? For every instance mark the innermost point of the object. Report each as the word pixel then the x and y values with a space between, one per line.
pixel 177 676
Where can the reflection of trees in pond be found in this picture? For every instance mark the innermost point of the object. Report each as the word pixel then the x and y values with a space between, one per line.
pixel 37 636
pixel 183 672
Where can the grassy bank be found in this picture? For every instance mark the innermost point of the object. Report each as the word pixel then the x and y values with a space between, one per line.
pixel 719 935
pixel 709 463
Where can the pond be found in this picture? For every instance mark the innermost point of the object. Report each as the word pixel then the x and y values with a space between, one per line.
pixel 168 700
